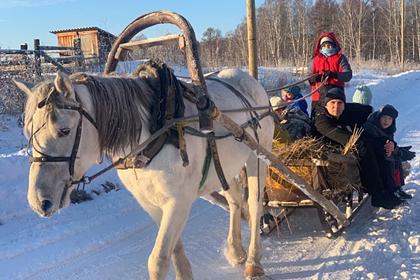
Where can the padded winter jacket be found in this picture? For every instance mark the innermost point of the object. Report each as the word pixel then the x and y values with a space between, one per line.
pixel 338 131
pixel 336 63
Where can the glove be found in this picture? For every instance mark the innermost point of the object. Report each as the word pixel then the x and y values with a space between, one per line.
pixel 405 153
pixel 328 74
pixel 316 78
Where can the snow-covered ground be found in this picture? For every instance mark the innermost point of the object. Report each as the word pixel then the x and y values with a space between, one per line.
pixel 111 237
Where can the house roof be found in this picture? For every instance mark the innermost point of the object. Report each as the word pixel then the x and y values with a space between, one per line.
pixel 79 29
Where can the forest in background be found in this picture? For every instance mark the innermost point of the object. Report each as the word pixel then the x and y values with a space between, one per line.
pixel 369 32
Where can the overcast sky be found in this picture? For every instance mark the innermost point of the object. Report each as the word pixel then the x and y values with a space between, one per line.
pixel 24 20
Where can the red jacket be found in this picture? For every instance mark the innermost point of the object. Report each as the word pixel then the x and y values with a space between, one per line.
pixel 320 63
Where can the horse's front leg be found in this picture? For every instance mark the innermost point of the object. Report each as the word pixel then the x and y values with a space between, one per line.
pixel 174 217
pixel 255 168
pixel 235 253
pixel 180 261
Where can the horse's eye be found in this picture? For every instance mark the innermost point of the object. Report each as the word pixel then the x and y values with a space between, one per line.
pixel 63 132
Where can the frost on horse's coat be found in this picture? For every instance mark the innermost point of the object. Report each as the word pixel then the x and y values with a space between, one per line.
pixel 165 188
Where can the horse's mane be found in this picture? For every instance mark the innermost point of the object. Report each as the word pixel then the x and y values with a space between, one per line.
pixel 121 105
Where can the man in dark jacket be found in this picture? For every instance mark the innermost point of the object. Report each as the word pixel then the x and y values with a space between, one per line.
pixel 330 65
pixel 334 122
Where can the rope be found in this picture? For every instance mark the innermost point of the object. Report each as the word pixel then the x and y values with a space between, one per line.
pixel 285 103
pixel 290 85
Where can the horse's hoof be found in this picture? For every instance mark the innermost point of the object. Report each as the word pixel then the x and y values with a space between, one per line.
pixel 236 258
pixel 253 270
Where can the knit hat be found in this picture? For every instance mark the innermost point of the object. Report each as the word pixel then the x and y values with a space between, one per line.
pixel 295 90
pixel 334 93
pixel 362 95
pixel 326 39
pixel 388 110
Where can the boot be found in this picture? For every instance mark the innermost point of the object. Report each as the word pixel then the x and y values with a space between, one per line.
pixel 387 201
pixel 402 194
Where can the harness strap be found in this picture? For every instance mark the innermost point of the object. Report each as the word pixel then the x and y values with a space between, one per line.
pixel 237 93
pixel 48 159
pixel 216 161
pixel 206 166
pixel 182 145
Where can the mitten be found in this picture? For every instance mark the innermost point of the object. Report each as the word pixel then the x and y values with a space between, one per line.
pixel 405 153
pixel 329 74
pixel 316 78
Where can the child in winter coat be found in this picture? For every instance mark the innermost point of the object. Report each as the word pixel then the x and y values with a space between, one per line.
pixel 293 121
pixel 293 93
pixel 329 65
pixel 379 131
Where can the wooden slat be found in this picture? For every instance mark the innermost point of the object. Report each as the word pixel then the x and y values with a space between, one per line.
pixel 65 59
pixel 54 48
pixel 16 51
pixel 306 162
pixel 55 63
pixel 147 43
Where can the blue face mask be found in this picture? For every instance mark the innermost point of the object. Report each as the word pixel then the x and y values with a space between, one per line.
pixel 329 51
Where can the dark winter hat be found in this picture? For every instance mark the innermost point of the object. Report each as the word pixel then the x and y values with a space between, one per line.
pixel 334 93
pixel 388 110
pixel 295 90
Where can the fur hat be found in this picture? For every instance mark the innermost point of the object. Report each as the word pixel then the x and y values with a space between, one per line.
pixel 275 102
pixel 334 93
pixel 326 39
pixel 388 110
pixel 362 95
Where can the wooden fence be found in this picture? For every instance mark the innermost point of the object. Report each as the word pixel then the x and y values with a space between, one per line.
pixel 44 54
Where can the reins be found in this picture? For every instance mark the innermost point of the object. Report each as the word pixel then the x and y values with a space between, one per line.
pixel 290 85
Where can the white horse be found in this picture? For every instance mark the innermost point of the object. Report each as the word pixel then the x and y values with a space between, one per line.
pixel 113 120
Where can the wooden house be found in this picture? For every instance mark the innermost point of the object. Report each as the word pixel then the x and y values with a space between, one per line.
pixel 95 42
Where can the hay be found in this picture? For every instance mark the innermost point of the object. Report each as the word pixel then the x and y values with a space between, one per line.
pixel 351 147
pixel 305 148
pixel 340 176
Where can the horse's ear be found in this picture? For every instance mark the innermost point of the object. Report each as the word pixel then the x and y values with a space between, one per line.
pixel 24 86
pixel 63 84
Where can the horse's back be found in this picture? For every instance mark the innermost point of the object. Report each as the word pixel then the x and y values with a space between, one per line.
pixel 246 84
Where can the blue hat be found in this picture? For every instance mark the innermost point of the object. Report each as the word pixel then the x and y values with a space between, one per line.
pixel 295 90
pixel 362 95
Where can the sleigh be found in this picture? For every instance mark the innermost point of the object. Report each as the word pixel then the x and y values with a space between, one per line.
pixel 326 170
pixel 335 177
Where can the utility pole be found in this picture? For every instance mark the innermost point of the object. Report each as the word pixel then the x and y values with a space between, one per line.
pixel 252 38
pixel 402 35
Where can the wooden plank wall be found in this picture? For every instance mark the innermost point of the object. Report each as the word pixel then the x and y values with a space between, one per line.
pixel 89 40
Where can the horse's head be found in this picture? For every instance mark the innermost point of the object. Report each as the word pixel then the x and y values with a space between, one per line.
pixel 61 152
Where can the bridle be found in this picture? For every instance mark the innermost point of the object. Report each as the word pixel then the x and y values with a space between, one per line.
pixel 73 155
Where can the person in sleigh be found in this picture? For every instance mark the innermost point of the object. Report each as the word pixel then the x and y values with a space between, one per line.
pixel 329 68
pixel 332 122
pixel 379 131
